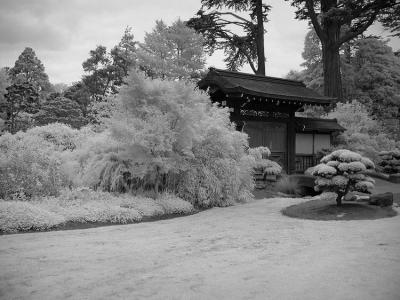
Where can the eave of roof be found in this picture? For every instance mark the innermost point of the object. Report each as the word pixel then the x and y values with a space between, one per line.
pixel 262 86
pixel 317 125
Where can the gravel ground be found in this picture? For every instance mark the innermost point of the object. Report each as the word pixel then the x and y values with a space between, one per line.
pixel 247 251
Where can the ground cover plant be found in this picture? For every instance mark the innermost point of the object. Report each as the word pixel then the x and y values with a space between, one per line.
pixel 341 172
pixel 84 206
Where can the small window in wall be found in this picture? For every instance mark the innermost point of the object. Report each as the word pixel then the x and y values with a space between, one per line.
pixel 321 141
pixel 304 143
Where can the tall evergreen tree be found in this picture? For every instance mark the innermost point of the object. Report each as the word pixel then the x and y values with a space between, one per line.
pixel 370 74
pixel 337 22
pixel 215 21
pixel 28 68
pixel 105 71
pixel 4 83
pixel 20 98
pixel 79 93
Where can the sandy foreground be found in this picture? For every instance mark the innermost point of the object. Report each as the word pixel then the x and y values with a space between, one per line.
pixel 247 251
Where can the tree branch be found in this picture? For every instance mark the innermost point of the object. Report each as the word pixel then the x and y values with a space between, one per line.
pixel 231 14
pixel 353 32
pixel 249 60
pixel 314 20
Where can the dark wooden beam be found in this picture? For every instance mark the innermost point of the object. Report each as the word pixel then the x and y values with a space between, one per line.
pixel 291 143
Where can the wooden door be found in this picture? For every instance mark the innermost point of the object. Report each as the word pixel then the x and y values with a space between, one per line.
pixel 269 134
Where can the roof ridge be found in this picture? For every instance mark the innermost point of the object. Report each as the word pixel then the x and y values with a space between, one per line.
pixel 257 77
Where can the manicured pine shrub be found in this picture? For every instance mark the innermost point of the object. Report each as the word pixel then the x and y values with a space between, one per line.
pixel 341 172
pixel 267 167
pixel 390 161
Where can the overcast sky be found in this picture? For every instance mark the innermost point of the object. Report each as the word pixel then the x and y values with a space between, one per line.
pixel 62 32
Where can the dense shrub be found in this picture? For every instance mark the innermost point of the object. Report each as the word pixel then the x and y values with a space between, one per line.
pixel 31 162
pixel 60 109
pixel 341 172
pixel 60 136
pixel 390 161
pixel 363 134
pixel 28 166
pixel 166 135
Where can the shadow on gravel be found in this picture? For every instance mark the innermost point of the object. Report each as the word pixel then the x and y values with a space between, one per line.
pixel 328 211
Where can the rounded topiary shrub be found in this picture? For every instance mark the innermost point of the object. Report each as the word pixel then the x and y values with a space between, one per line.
pixel 389 161
pixel 262 163
pixel 341 172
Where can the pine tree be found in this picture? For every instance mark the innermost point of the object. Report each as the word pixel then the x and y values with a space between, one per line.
pixel 20 97
pixel 28 68
pixel 105 72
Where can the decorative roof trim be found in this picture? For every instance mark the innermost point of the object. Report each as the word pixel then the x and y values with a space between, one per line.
pixel 220 78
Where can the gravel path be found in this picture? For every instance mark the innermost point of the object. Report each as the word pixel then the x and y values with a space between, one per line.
pixel 248 251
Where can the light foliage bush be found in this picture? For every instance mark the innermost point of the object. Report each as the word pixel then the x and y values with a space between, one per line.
pixel 60 136
pixel 363 134
pixel 341 172
pixel 28 166
pixel 166 135
pixel 31 162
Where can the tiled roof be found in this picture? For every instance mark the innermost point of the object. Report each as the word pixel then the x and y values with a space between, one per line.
pixel 261 86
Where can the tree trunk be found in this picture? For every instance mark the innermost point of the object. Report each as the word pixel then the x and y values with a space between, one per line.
pixel 330 51
pixel 339 199
pixel 157 183
pixel 260 39
pixel 332 77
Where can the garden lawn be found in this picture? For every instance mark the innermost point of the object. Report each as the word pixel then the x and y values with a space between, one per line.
pixel 248 251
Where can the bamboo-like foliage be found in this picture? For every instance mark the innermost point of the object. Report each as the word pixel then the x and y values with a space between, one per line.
pixel 167 136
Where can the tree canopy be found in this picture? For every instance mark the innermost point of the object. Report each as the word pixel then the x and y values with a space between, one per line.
pixel 174 52
pixel 58 109
pixel 337 22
